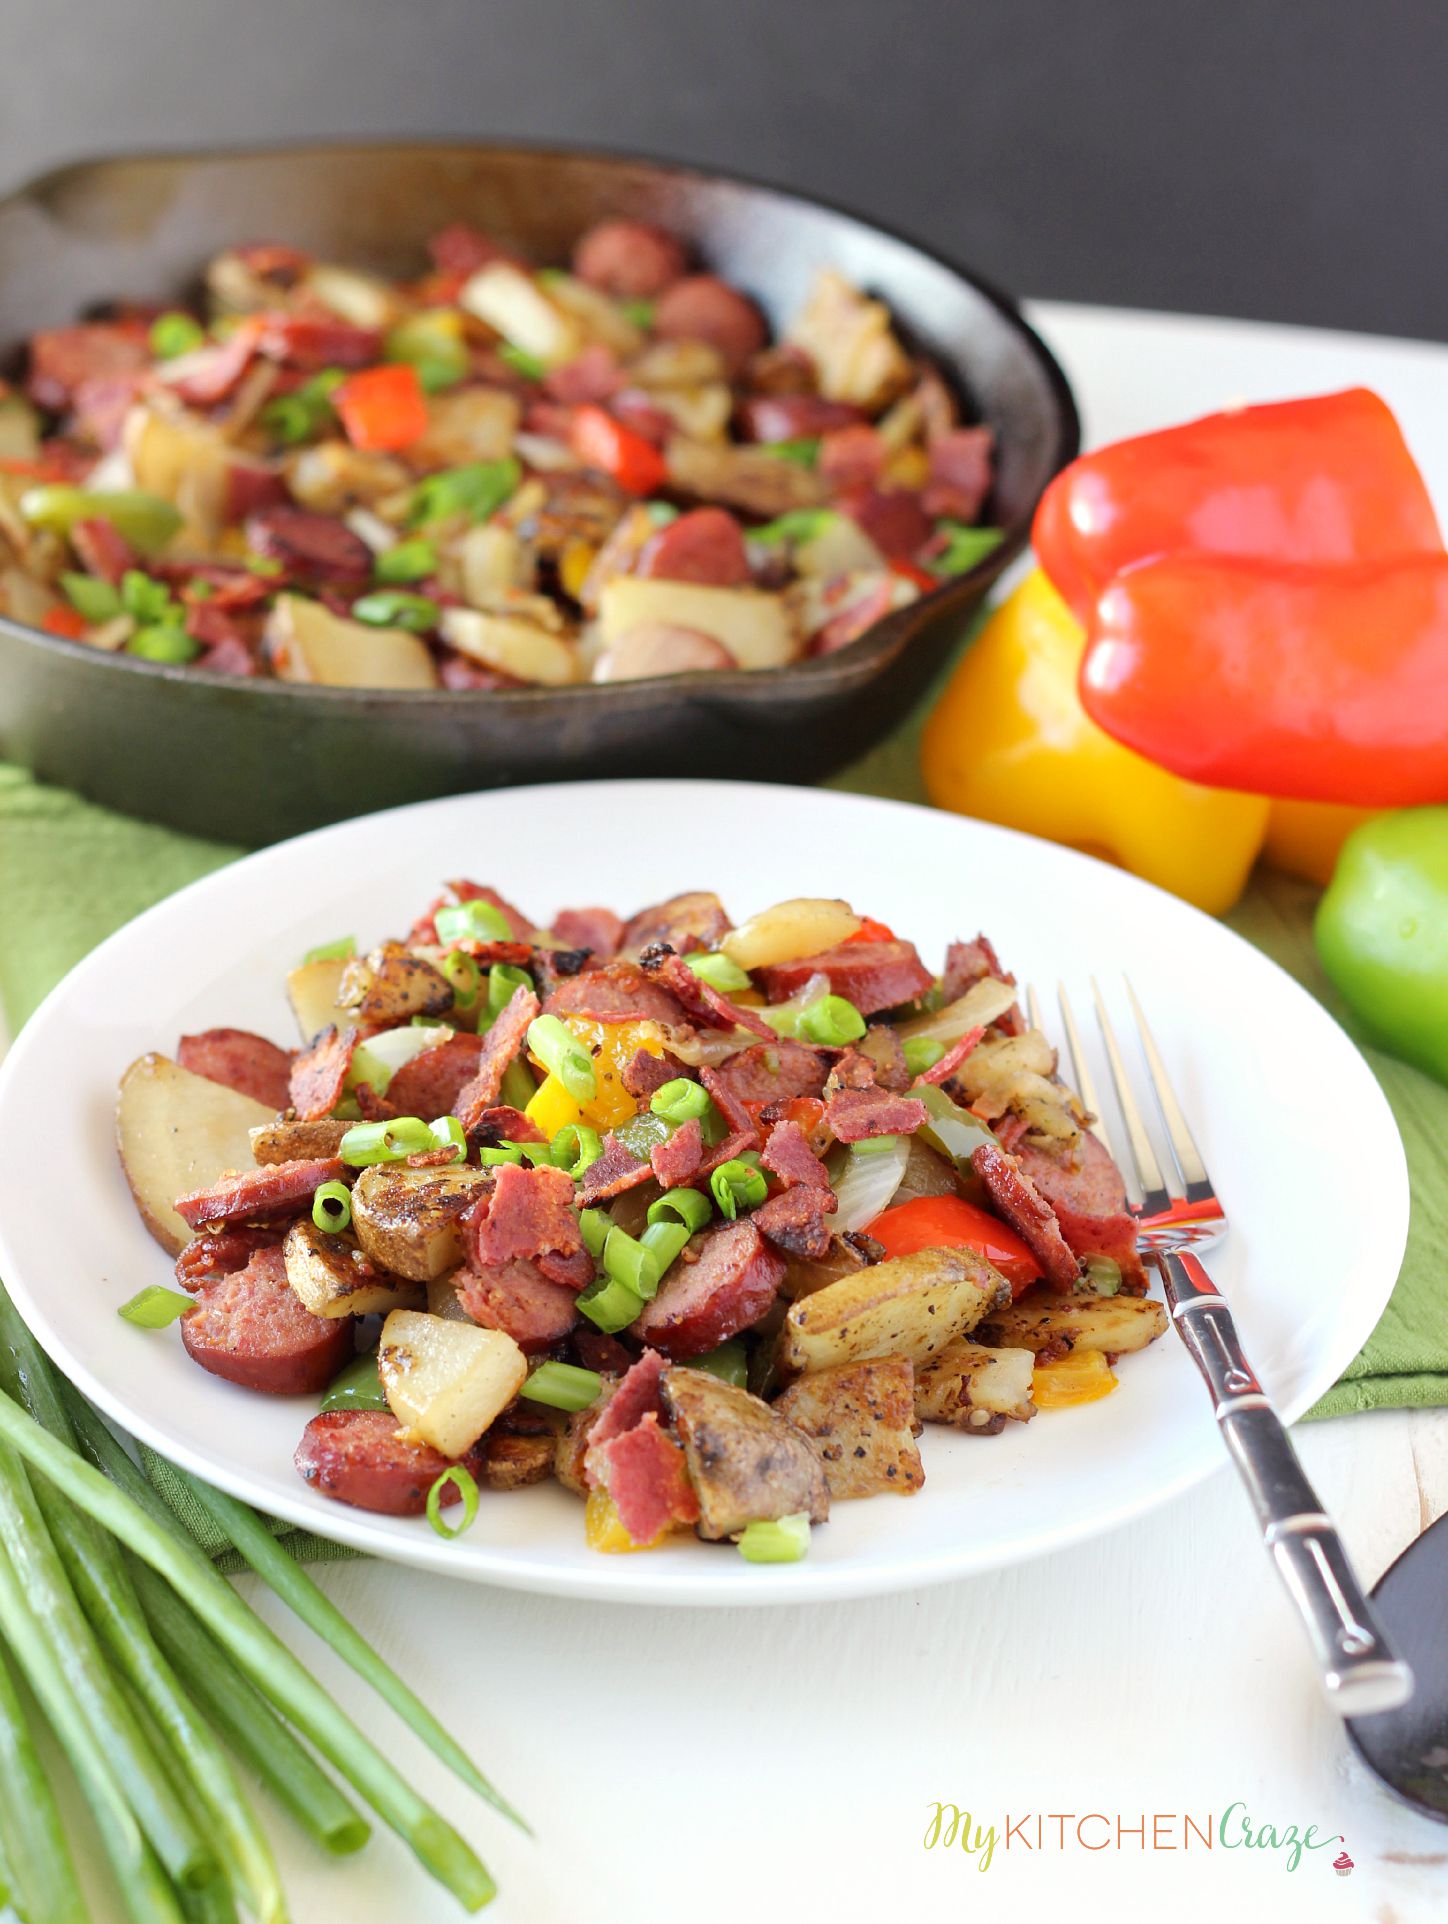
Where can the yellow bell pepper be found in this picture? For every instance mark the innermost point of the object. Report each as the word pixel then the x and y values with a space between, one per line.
pixel 613 1046
pixel 1010 742
pixel 603 1528
pixel 1304 837
pixel 1084 1376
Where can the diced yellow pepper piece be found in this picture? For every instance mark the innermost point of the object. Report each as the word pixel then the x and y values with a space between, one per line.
pixel 1304 837
pixel 1084 1376
pixel 552 1108
pixel 603 1528
pixel 1009 741
pixel 573 565
pixel 613 1046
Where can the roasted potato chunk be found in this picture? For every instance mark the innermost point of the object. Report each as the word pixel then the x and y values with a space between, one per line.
pixel 1043 1321
pixel 805 1278
pixel 407 1219
pixel 907 1306
pixel 513 1462
pixel 312 991
pixel 446 1382
pixel 744 1461
pixel 283 1141
pixel 177 1132
pixel 860 1418
pixel 571 1444
pixel 975 1389
pixel 442 1299
pixel 390 986
pixel 331 1276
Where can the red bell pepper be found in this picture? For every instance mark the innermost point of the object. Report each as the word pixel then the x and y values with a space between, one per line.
pixel 64 622
pixel 1328 479
pixel 603 443
pixel 1325 684
pixel 950 1222
pixel 382 407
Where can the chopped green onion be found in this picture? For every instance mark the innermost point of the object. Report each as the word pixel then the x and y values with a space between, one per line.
pixel 833 1021
pixel 576 1147
pixel 464 975
pixel 428 1022
pixel 783 1541
pixel 610 1305
pixel 166 641
pixel 448 1133
pixel 718 971
pixel 144 598
pixel 262 564
pixel 504 981
pixel 876 1146
pixel 462 1481
pixel 96 600
pixel 518 1088
pixel 396 608
pixel 394 1141
pixel 358 1387
pixel 1103 1274
pixel 475 921
pixel 627 1261
pixel 683 1205
pixel 175 334
pixel 680 1100
pixel 796 526
pixel 661 513
pixel 307 411
pixel 562 1386
pixel 408 561
pixel 332 1207
pixel 922 1052
pixel 965 548
pixel 155 1307
pixel 344 947
pixel 804 452
pixel 433 344
pixel 477 490
pixel 639 313
pixel 737 1185
pixel 595 1224
pixel 664 1241
pixel 538 1153
pixel 563 1055
pixel 521 361
pixel 729 1361
pixel 147 521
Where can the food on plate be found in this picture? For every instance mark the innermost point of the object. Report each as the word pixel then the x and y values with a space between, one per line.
pixel 494 474
pixel 1237 646
pixel 705 1220
pixel 1382 933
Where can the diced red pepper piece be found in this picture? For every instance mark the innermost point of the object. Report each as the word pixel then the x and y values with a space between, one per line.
pixel 382 407
pixel 64 622
pixel 603 443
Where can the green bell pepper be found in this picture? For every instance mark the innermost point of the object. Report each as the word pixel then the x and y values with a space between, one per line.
pixel 1382 933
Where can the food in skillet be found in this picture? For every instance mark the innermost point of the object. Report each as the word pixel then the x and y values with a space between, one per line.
pixel 491 476
pixel 703 1220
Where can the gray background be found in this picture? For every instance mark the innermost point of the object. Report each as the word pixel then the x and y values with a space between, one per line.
pixel 1274 158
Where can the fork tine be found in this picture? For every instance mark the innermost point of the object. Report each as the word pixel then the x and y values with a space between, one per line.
pixel 1183 1146
pixel 1080 1067
pixel 1154 1192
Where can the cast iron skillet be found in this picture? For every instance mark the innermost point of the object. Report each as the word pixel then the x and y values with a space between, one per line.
pixel 253 761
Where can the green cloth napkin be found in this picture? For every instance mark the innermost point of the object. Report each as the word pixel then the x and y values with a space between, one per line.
pixel 70 873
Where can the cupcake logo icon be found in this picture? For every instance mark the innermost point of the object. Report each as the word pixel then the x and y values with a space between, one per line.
pixel 1342 1863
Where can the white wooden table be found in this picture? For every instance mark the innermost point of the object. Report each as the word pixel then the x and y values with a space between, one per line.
pixel 716 1767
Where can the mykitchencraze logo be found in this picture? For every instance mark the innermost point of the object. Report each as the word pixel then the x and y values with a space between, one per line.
pixel 948 1827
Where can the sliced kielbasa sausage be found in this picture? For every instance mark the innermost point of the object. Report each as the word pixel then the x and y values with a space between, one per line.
pixel 251 1329
pixel 794 417
pixel 240 1060
pixel 704 308
pixel 730 1284
pixel 362 1458
pixel 317 546
pixel 628 259
pixel 705 545
pixel 274 1190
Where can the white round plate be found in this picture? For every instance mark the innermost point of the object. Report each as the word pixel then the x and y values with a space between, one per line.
pixel 1297 1134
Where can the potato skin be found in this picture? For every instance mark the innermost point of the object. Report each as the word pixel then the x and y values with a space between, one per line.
pixel 294 1141
pixel 390 986
pixel 407 1219
pixel 332 1277
pixel 975 1389
pixel 860 1418
pixel 1045 1321
pixel 513 1462
pixel 906 1306
pixel 744 1461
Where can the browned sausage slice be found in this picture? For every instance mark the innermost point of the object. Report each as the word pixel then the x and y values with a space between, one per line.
pixel 517 1298
pixel 362 1458
pixel 1089 1199
pixel 619 993
pixel 318 546
pixel 629 260
pixel 1017 1199
pixel 251 1329
pixel 728 1287
pixel 429 1085
pixel 220 1252
pixel 704 545
pixel 242 1061
pixel 775 1072
pixel 704 308
pixel 274 1190
pixel 872 975
pixel 794 417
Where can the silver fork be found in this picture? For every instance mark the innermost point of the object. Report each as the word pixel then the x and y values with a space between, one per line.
pixel 1176 1215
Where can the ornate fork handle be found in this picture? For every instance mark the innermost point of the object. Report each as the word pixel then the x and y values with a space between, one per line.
pixel 1359 1671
